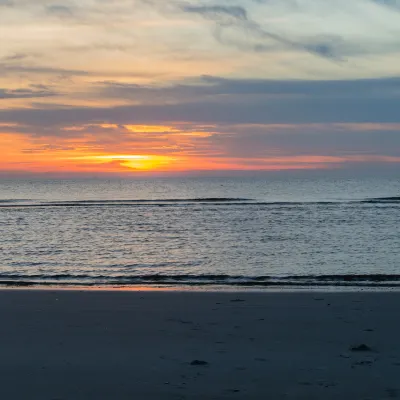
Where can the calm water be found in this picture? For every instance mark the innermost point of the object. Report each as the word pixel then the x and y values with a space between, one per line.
pixel 200 231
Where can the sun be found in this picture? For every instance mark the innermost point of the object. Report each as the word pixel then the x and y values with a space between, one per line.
pixel 131 161
pixel 147 163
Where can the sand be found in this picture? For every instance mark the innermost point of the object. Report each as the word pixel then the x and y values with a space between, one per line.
pixel 178 345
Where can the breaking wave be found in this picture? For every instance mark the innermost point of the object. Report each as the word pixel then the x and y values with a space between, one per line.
pixel 227 201
pixel 372 280
pixel 394 199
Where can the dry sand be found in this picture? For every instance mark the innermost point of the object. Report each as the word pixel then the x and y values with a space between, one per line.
pixel 140 345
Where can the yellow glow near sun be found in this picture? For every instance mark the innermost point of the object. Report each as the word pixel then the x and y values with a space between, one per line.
pixel 114 157
pixel 133 161
pixel 147 164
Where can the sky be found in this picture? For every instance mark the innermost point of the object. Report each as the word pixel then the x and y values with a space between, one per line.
pixel 138 87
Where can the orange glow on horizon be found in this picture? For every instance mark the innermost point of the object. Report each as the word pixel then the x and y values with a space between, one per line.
pixel 127 149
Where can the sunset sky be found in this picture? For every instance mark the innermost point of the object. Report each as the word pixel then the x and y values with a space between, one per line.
pixel 134 87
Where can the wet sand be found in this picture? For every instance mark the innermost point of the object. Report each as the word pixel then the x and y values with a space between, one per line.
pixel 177 345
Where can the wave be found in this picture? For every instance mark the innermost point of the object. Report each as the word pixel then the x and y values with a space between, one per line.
pixel 194 200
pixel 231 201
pixel 11 201
pixel 370 280
pixel 393 199
pixel 100 202
pixel 169 203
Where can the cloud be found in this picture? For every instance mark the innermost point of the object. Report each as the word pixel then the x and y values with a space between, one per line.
pixel 26 93
pixel 287 146
pixel 197 88
pixel 333 31
pixel 228 101
pixel 338 140
pixel 221 14
pixel 12 68
pixel 389 3
pixel 326 46
pixel 27 63
pixel 59 10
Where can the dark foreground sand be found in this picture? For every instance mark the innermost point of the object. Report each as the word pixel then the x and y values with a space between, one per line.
pixel 140 345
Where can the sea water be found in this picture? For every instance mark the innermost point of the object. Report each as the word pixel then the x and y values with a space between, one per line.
pixel 201 231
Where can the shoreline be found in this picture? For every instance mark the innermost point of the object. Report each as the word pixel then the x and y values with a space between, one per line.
pixel 91 344
pixel 204 281
pixel 207 288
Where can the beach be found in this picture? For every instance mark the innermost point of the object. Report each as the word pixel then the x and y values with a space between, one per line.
pixel 82 344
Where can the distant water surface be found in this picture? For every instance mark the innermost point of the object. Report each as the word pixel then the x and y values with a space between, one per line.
pixel 247 232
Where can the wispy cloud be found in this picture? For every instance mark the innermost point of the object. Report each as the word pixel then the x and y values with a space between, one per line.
pixel 11 68
pixel 60 10
pixel 6 3
pixel 237 17
pixel 389 3
pixel 26 93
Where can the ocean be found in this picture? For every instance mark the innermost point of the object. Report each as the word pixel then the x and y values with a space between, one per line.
pixel 203 232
